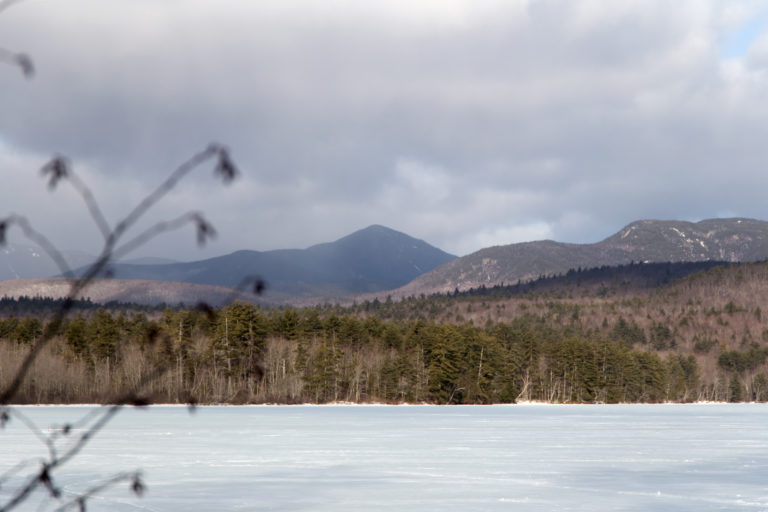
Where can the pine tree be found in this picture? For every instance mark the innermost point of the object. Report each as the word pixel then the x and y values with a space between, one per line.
pixel 444 369
pixel 735 389
pixel 76 336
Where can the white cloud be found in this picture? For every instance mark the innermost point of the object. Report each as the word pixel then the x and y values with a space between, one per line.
pixel 502 235
pixel 425 183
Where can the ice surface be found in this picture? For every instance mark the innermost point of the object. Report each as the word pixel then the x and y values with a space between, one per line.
pixel 702 457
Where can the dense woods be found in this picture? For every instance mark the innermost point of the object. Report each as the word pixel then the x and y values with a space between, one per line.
pixel 702 338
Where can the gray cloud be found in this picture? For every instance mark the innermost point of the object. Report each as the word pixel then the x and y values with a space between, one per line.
pixel 466 125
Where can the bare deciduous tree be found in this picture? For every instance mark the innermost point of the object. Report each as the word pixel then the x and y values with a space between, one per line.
pixel 62 443
pixel 21 60
pixel 116 244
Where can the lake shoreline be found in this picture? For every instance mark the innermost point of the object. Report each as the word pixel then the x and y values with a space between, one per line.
pixel 381 404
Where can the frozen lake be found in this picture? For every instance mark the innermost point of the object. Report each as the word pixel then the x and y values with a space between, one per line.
pixel 413 458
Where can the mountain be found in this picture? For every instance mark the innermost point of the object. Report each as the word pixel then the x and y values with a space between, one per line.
pixel 149 260
pixel 370 260
pixel 20 261
pixel 25 262
pixel 731 240
pixel 149 293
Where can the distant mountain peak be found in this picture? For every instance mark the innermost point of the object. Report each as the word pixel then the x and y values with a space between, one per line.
pixel 372 259
pixel 375 237
pixel 376 230
pixel 378 227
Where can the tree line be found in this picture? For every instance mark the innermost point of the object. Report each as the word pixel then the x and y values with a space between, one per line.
pixel 244 353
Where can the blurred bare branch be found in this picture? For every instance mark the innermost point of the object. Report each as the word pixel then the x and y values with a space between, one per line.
pixel 22 60
pixel 137 487
pixel 249 284
pixel 36 237
pixel 107 253
pixel 225 168
pixel 36 431
pixel 160 228
pixel 254 285
pixel 15 470
pixel 56 170
pixel 4 4
pixel 159 192
pixel 93 422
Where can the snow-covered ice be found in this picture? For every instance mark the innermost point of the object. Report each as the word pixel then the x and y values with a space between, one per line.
pixel 701 457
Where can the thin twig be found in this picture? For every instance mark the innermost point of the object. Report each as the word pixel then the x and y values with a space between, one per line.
pixel 39 239
pixel 251 284
pixel 22 493
pixel 22 60
pixel 106 256
pixel 32 427
pixel 16 469
pixel 130 398
pixel 90 202
pixel 104 415
pixel 59 170
pixel 158 193
pixel 53 326
pixel 154 231
pixel 4 4
pixel 79 502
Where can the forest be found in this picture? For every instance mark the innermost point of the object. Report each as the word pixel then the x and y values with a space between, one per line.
pixel 702 338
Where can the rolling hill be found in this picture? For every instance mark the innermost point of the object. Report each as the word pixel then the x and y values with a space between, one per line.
pixel 151 293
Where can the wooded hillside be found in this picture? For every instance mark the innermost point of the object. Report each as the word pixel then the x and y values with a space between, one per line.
pixel 704 337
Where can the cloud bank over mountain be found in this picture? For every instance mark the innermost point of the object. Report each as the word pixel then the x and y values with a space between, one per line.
pixel 464 124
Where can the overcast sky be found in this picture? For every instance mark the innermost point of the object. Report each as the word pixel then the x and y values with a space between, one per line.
pixel 463 123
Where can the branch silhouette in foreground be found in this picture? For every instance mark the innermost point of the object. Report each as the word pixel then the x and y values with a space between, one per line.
pixel 116 244
pixel 21 60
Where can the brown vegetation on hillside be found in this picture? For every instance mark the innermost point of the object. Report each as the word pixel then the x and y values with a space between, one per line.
pixel 729 240
pixel 701 338
pixel 133 291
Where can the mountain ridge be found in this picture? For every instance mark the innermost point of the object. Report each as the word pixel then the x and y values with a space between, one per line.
pixel 379 261
pixel 650 241
pixel 372 259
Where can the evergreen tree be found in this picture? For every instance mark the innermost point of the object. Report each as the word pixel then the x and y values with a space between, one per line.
pixel 28 329
pixel 104 335
pixel 444 368
pixel 76 336
pixel 322 376
pixel 735 389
